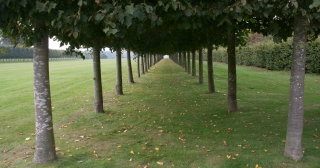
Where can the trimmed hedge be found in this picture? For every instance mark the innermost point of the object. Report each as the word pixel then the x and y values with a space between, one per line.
pixel 272 56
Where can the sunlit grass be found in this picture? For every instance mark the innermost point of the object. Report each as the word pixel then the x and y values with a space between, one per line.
pixel 164 118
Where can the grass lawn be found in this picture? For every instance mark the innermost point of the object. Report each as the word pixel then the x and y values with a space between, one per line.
pixel 166 119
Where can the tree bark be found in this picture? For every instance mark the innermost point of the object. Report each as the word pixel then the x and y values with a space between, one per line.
pixel 210 69
pixel 232 72
pixel 189 64
pixel 130 76
pixel 145 63
pixel 142 64
pixel 119 90
pixel 45 144
pixel 138 65
pixel 97 84
pixel 293 147
pixel 200 66
pixel 193 63
pixel 185 61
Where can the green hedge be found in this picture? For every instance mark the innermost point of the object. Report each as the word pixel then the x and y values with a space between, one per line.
pixel 272 56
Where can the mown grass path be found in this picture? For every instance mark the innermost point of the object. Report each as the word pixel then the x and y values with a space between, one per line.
pixel 165 119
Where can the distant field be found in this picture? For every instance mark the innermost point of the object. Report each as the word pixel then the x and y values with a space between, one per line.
pixel 166 119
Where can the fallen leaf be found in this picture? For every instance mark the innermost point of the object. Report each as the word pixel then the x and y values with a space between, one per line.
pixel 236 155
pixel 157 149
pixel 27 139
pixel 160 163
pixel 5 151
pixel 257 166
pixel 132 152
pixel 266 151
pixel 224 143
pixel 109 159
pixel 228 156
pixel 119 146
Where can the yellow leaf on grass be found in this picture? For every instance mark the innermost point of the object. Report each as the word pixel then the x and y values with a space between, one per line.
pixel 119 146
pixel 132 152
pixel 228 156
pixel 160 163
pixel 156 149
pixel 257 166
pixel 27 139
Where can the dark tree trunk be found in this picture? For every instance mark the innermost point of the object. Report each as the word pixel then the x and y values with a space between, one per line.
pixel 194 73
pixel 210 69
pixel 130 76
pixel 145 63
pixel 189 63
pixel 185 61
pixel 45 144
pixel 97 84
pixel 154 60
pixel 142 65
pixel 200 66
pixel 119 90
pixel 293 147
pixel 232 72
pixel 138 65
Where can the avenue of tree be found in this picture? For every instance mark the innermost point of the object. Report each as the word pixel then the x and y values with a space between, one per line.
pixel 153 28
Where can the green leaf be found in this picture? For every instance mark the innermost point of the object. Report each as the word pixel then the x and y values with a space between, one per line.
pixel 174 5
pixel 128 21
pixel 244 2
pixel 75 34
pixel 52 5
pixel 188 12
pixel 113 31
pixel 160 3
pixel 140 15
pixel 23 3
pixel 315 4
pixel 80 3
pixel 130 9
pixel 40 6
pixel 121 17
pixel 148 8
pixel 295 4
pixel 98 17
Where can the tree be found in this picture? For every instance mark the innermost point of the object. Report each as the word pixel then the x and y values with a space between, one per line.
pixel 193 62
pixel 130 76
pixel 119 88
pixel 97 83
pixel 200 81
pixel 211 87
pixel 232 75
pixel 45 144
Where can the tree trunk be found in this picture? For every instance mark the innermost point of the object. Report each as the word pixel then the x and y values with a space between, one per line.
pixel 293 147
pixel 210 69
pixel 145 63
pixel 97 84
pixel 45 144
pixel 185 61
pixel 119 90
pixel 193 63
pixel 232 72
pixel 200 66
pixel 189 64
pixel 138 65
pixel 142 65
pixel 130 76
